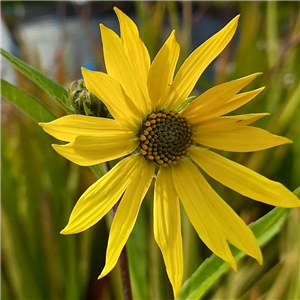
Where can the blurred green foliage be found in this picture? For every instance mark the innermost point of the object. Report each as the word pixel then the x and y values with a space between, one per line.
pixel 40 188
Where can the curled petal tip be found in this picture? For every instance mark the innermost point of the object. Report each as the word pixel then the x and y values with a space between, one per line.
pixel 233 265
pixel 287 141
pixel 102 274
pixel 261 89
pixel 235 20
pixel 55 146
pixel 260 261
pixel 258 256
pixel 67 230
pixel 64 231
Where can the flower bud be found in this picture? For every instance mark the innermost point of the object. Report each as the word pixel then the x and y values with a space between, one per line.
pixel 84 102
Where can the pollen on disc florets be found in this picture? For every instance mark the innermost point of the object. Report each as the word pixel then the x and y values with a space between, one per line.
pixel 164 138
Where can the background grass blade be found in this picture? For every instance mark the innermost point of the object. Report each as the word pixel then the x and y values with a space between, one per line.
pixel 52 88
pixel 26 103
pixel 35 109
pixel 213 268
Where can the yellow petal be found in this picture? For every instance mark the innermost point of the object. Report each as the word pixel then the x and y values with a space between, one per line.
pixel 198 209
pixel 167 228
pixel 92 150
pixel 113 96
pixel 197 62
pixel 162 71
pixel 100 197
pixel 207 113
pixel 119 67
pixel 67 128
pixel 234 228
pixel 213 103
pixel 126 215
pixel 239 100
pixel 245 139
pixel 229 122
pixel 242 179
pixel 135 50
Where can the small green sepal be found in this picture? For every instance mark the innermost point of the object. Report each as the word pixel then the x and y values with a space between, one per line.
pixel 84 102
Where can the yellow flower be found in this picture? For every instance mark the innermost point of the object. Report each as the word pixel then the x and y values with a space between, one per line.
pixel 151 130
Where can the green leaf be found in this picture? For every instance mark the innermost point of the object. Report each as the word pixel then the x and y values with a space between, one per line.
pixel 98 170
pixel 185 103
pixel 52 88
pixel 213 268
pixel 26 103
pixel 35 110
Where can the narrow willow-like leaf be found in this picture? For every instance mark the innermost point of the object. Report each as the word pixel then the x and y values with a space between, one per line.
pixel 35 110
pixel 213 268
pixel 52 88
pixel 26 103
pixel 185 103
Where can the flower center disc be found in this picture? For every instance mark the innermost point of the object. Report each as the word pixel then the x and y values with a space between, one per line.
pixel 164 138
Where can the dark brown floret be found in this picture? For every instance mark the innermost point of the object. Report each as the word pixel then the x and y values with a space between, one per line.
pixel 164 138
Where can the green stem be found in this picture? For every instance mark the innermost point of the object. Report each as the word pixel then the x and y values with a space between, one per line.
pixel 123 260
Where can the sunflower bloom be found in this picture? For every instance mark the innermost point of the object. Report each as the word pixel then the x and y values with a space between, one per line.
pixel 159 135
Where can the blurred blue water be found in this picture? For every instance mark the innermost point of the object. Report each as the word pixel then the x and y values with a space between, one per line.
pixel 52 39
